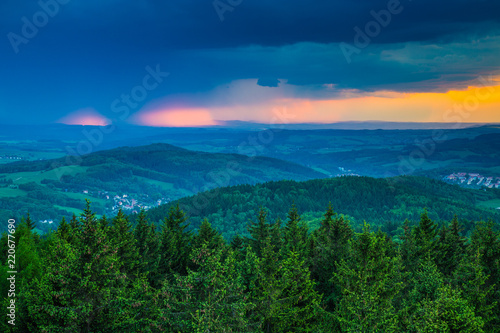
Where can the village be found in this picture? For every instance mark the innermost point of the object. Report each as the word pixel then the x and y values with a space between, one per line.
pixel 10 157
pixel 129 203
pixel 473 180
pixel 134 205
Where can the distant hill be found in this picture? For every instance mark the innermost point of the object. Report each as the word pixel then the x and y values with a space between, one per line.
pixel 381 202
pixel 53 188
pixel 356 125
pixel 326 148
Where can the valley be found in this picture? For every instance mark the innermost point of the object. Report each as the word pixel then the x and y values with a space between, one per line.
pixel 178 163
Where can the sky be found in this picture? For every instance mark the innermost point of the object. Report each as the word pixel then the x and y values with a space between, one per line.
pixel 200 63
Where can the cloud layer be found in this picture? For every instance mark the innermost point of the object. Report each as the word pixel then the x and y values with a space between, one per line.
pixel 260 53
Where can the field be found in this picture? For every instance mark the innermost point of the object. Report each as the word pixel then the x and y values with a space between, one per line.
pixel 72 210
pixel 11 192
pixel 82 197
pixel 29 150
pixel 495 203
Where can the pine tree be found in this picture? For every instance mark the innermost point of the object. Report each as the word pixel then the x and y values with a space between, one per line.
pixel 30 223
pixel 425 237
pixel 124 242
pixel 142 232
pixel 81 286
pixel 449 312
pixel 64 230
pixel 211 298
pixel 486 240
pixel 104 223
pixel 259 231
pixel 450 247
pixel 175 244
pixel 237 243
pixel 485 243
pixel 329 245
pixel 74 223
pixel 276 235
pixel 28 262
pixel 50 303
pixel 369 280
pixel 248 270
pixel 424 285
pixel 284 293
pixel 469 277
pixel 209 236
pixel 148 246
pixel 295 234
pixel 426 282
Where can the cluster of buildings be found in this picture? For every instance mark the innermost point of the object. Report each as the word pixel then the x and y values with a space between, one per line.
pixel 126 202
pixel 10 157
pixel 345 173
pixel 129 204
pixel 472 180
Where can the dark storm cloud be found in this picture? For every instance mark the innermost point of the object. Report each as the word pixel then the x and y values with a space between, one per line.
pixel 268 82
pixel 90 52
pixel 196 24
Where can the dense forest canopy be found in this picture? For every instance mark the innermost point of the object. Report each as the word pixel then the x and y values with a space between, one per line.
pixel 104 275
pixel 382 202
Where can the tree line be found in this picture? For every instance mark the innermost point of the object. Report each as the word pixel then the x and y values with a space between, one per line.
pixel 384 202
pixel 106 275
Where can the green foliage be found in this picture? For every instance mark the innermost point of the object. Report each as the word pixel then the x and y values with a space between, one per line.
pixel 425 237
pixel 150 172
pixel 329 245
pixel 295 234
pixel 100 275
pixel 284 294
pixel 382 202
pixel 208 236
pixel 470 278
pixel 148 246
pixel 485 245
pixel 451 247
pixel 259 231
pixel 447 313
pixel 175 243
pixel 369 281
pixel 210 299
pixel 124 242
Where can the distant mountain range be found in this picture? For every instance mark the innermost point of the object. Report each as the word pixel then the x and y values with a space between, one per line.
pixel 122 131
pixel 354 125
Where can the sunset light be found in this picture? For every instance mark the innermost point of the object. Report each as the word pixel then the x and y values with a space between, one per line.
pixel 177 118
pixel 88 117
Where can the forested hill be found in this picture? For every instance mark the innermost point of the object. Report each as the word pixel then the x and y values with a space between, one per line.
pixel 177 163
pixel 50 189
pixel 382 202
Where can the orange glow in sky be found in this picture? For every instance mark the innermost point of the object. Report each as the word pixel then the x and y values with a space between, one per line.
pixel 177 118
pixel 475 104
pixel 85 117
pixel 480 103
